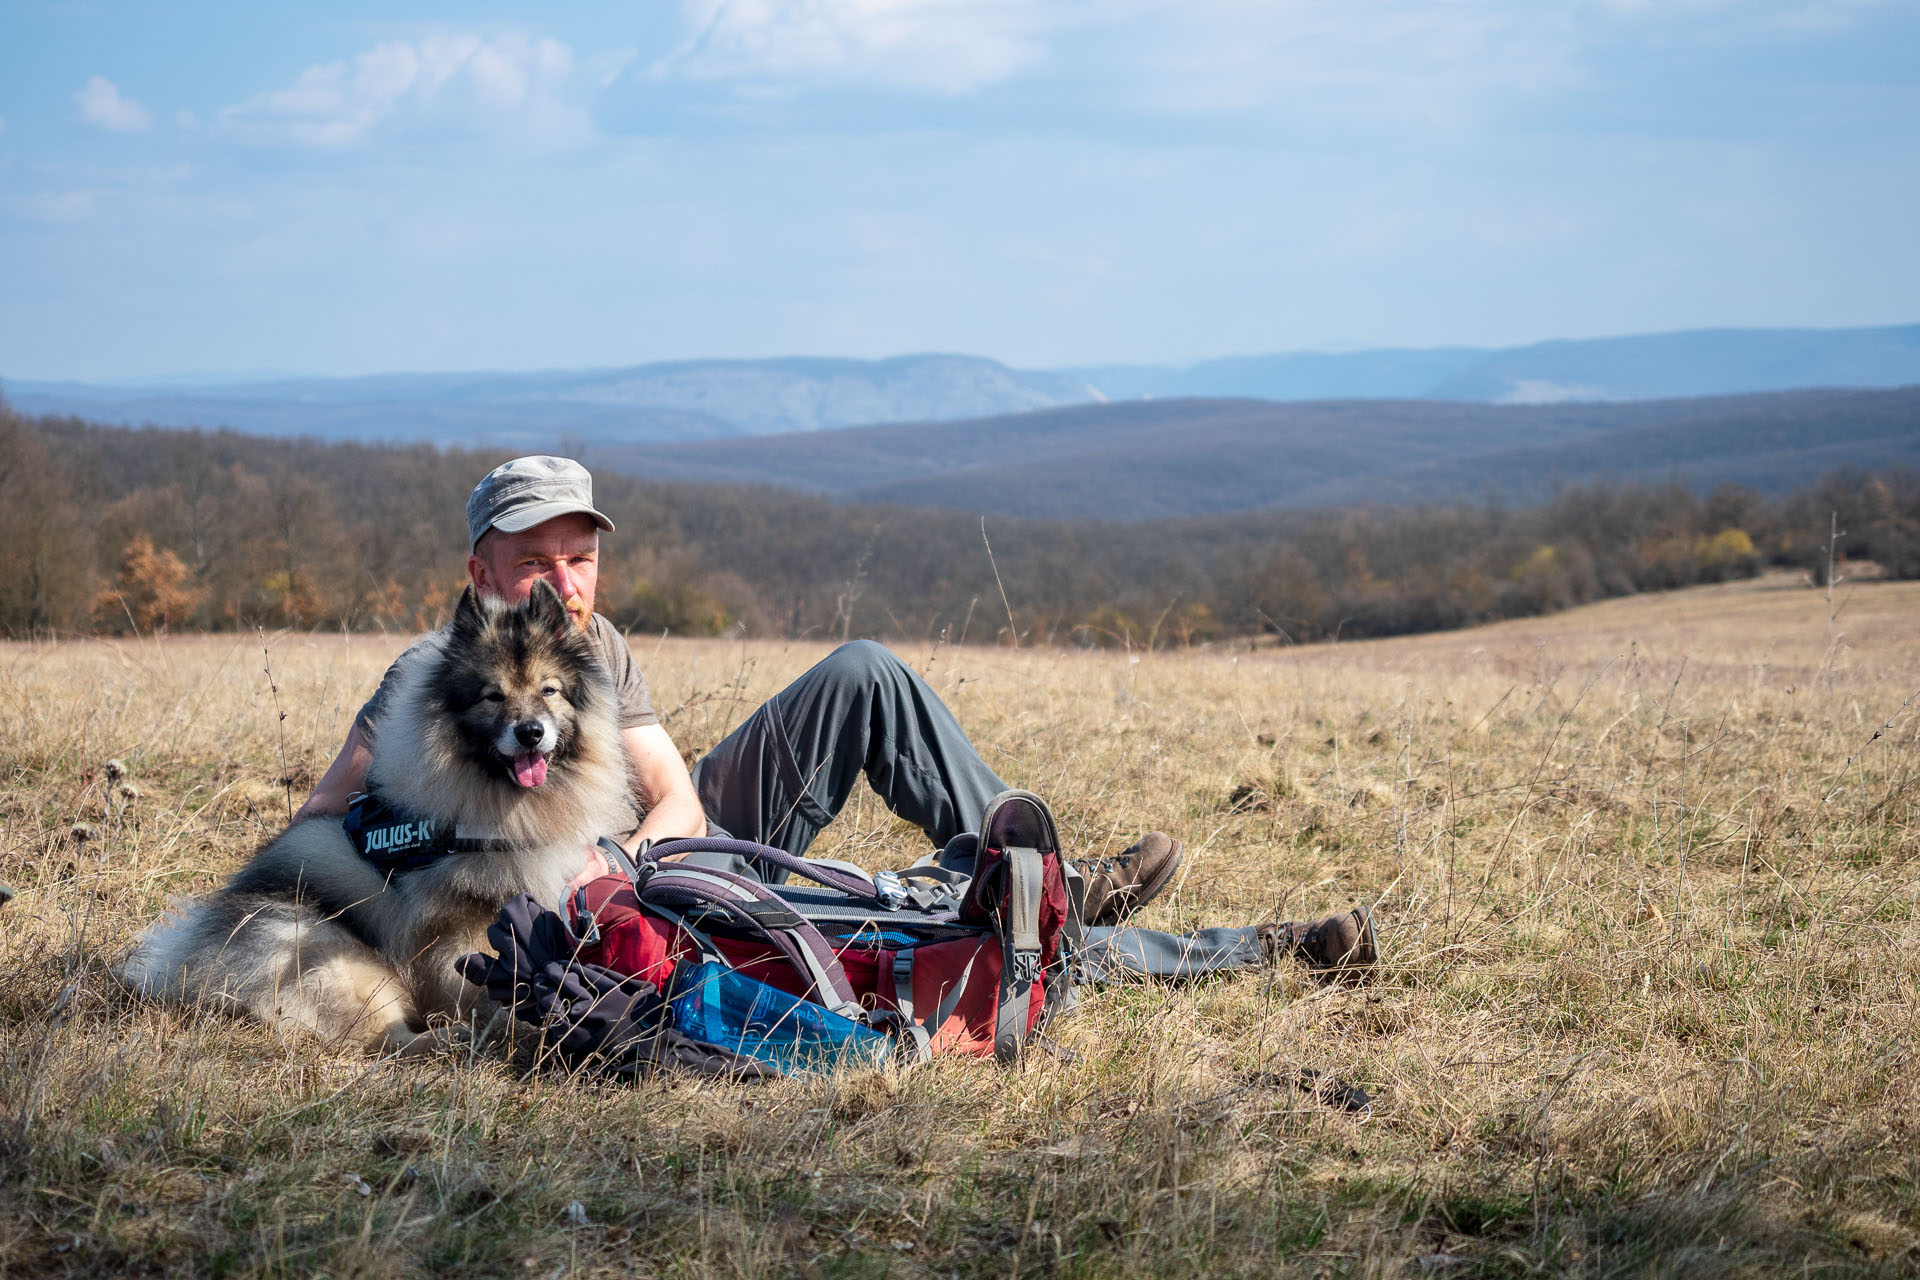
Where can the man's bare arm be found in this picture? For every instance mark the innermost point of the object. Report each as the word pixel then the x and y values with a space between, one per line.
pixel 346 775
pixel 664 789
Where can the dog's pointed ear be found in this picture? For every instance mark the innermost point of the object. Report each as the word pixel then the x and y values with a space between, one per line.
pixel 468 620
pixel 545 610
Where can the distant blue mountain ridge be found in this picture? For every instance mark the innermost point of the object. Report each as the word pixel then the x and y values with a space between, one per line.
pixel 716 399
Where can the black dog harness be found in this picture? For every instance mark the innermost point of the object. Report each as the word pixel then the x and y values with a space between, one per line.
pixel 394 840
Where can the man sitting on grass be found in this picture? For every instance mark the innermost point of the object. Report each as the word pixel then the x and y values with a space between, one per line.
pixel 784 773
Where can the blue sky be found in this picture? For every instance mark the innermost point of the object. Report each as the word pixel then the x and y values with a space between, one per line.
pixel 351 188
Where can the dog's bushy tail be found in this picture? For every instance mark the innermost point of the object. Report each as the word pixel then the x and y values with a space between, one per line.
pixel 279 962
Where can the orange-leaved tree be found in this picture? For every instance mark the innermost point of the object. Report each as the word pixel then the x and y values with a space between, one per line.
pixel 150 591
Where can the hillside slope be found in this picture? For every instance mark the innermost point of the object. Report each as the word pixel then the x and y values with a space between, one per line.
pixel 1147 460
pixel 1695 363
pixel 683 400
pixel 712 399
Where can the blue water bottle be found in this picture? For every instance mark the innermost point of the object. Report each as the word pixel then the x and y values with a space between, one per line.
pixel 720 1006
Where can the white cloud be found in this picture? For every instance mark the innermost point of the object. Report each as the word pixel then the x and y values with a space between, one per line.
pixel 510 83
pixel 1321 59
pixel 1327 63
pixel 100 104
pixel 934 46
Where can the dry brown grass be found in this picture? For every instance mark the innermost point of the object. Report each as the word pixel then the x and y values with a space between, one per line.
pixel 1647 877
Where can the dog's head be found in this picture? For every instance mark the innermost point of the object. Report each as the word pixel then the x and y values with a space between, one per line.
pixel 516 684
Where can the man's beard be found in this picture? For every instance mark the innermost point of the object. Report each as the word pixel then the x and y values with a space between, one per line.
pixel 581 615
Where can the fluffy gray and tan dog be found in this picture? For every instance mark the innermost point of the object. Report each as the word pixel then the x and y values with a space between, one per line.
pixel 503 724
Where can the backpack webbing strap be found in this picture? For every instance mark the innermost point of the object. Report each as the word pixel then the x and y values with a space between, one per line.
pixel 1019 950
pixel 705 944
pixel 903 1000
pixel 1025 886
pixel 923 1032
pixel 1063 976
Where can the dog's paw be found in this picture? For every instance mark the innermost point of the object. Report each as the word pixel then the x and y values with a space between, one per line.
pixel 446 1038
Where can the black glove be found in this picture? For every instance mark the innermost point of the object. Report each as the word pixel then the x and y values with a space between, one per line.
pixel 526 938
pixel 589 1013
pixel 593 1013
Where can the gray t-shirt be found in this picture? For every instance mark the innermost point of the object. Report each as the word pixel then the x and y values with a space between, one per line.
pixel 635 707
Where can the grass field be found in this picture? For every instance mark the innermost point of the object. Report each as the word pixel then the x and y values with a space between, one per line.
pixel 1647 874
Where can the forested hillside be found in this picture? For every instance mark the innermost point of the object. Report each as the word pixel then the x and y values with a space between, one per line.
pixel 1145 460
pixel 117 529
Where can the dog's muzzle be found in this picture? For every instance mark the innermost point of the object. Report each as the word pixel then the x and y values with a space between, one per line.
pixel 526 746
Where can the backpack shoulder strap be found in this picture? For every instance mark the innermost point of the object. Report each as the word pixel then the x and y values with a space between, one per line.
pixel 759 909
pixel 630 865
pixel 833 877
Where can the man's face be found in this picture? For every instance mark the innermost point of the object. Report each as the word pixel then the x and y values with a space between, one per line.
pixel 565 551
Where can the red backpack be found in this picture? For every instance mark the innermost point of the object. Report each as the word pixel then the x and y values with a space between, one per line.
pixel 947 961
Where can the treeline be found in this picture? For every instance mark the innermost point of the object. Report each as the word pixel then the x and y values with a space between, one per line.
pixel 109 529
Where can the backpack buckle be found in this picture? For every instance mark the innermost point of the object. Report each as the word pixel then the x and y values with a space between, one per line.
pixel 1026 966
pixel 589 935
pixel 890 889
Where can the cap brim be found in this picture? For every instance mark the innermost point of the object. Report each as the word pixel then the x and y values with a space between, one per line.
pixel 526 517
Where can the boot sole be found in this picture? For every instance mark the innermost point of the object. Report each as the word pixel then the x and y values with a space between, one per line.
pixel 1111 916
pixel 1368 944
pixel 1155 888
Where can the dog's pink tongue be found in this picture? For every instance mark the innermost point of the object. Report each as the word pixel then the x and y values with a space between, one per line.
pixel 530 768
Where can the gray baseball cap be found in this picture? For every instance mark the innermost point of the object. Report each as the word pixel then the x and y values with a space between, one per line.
pixel 529 491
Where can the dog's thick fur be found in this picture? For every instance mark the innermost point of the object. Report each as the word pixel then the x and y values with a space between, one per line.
pixel 311 935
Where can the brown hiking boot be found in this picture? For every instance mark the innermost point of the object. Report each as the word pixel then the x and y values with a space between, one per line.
pixel 1338 942
pixel 1122 884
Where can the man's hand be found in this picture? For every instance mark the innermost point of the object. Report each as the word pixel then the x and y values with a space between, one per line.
pixel 595 866
pixel 664 789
